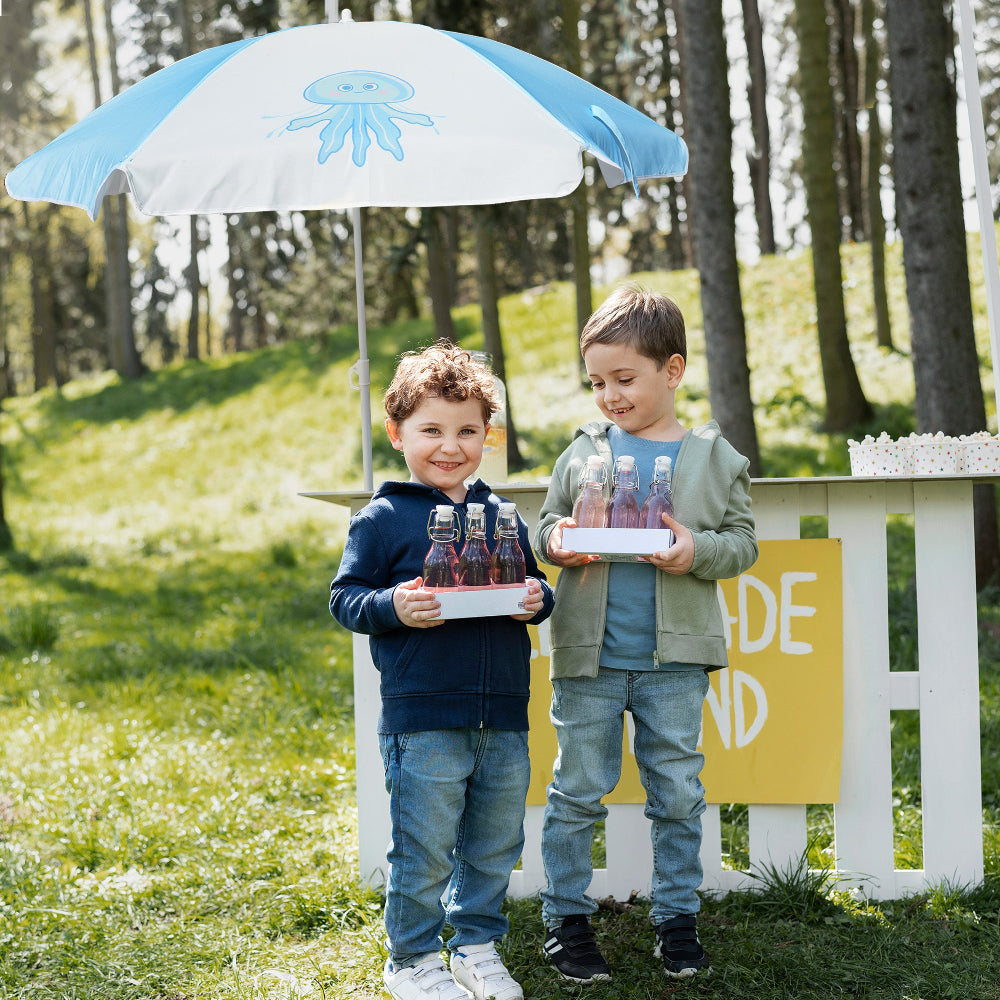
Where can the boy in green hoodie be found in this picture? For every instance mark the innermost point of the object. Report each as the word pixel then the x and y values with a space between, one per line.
pixel 638 637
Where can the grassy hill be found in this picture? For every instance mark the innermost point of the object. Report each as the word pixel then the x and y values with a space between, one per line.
pixel 214 452
pixel 177 761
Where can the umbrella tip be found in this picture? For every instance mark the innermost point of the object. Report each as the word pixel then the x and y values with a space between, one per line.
pixel 333 14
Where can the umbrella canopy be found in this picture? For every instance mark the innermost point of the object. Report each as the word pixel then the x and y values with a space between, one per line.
pixel 344 115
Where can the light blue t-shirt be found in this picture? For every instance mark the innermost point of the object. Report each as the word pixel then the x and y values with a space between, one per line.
pixel 630 627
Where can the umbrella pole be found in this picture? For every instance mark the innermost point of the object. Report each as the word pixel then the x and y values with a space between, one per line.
pixel 977 135
pixel 361 368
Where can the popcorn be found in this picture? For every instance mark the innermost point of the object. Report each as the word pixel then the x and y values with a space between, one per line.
pixel 936 454
pixel 891 458
pixel 862 460
pixel 981 454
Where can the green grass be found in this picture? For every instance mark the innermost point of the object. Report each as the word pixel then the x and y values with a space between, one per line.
pixel 177 813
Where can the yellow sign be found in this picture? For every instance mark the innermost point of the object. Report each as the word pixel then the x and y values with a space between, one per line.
pixel 772 729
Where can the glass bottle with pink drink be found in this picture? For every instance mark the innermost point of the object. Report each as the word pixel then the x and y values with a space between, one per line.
pixel 474 562
pixel 508 559
pixel 623 507
pixel 659 501
pixel 441 561
pixel 589 509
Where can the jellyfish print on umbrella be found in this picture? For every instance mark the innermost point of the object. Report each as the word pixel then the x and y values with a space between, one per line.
pixel 359 102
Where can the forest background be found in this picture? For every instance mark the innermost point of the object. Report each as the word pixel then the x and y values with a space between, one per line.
pixel 812 123
pixel 177 765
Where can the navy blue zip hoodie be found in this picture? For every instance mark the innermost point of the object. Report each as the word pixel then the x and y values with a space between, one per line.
pixel 467 673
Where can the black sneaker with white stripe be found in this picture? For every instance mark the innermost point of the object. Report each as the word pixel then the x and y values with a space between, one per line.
pixel 571 948
pixel 678 945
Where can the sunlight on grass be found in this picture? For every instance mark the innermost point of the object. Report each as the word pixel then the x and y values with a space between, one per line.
pixel 177 804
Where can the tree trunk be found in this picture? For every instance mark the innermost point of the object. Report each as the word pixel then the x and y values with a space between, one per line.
pixel 207 333
pixel 109 220
pixel 759 159
pixel 875 220
pixel 43 327
pixel 191 271
pixel 488 300
pixel 437 275
pixel 681 250
pixel 579 200
pixel 117 206
pixel 6 537
pixel 949 394
pixel 256 244
pixel 403 296
pixel 850 144
pixel 451 247
pixel 235 275
pixel 846 404
pixel 581 264
pixel 6 387
pixel 713 214
pixel 679 253
pixel 521 210
pixel 194 289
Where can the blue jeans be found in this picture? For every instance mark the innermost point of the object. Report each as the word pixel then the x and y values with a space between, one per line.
pixel 588 713
pixel 456 798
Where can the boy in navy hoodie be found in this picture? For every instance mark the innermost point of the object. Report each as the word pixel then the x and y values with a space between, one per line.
pixel 453 728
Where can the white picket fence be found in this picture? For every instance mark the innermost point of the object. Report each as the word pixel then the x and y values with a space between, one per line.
pixel 945 690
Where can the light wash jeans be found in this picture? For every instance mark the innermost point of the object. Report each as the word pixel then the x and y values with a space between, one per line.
pixel 456 798
pixel 588 713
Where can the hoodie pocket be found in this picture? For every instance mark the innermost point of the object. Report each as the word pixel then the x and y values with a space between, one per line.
pixel 393 655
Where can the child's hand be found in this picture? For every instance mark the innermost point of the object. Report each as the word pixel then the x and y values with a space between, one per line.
pixel 415 606
pixel 533 602
pixel 565 557
pixel 679 558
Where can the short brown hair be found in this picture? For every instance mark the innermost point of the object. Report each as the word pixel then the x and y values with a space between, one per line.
pixel 648 322
pixel 441 370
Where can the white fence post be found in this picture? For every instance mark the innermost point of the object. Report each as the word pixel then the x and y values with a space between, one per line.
pixel 863 817
pixel 778 835
pixel 950 766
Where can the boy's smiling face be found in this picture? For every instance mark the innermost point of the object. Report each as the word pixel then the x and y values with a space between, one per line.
pixel 630 390
pixel 442 443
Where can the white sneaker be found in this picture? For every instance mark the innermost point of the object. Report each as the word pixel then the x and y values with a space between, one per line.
pixel 429 979
pixel 478 970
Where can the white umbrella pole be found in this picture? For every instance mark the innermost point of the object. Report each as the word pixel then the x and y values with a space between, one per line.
pixel 361 368
pixel 984 202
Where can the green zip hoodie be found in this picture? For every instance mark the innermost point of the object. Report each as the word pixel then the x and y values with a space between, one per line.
pixel 711 493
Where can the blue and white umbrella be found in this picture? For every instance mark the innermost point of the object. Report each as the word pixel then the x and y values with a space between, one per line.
pixel 343 115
